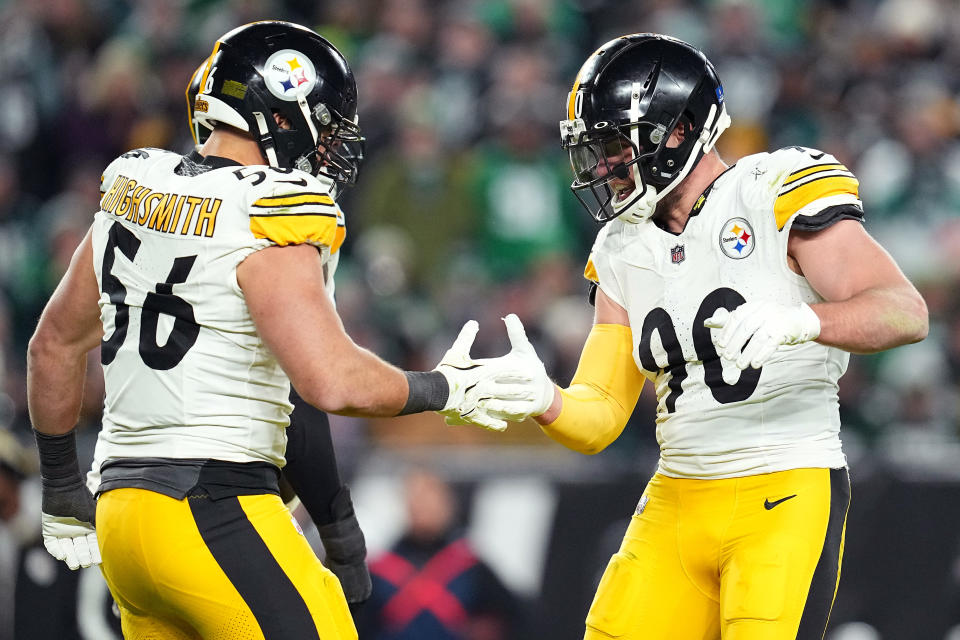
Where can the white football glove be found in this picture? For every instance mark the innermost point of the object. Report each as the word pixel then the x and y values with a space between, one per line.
pixel 463 373
pixel 520 387
pixel 766 325
pixel 70 540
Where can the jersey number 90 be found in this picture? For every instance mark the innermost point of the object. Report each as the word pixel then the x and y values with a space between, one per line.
pixel 660 321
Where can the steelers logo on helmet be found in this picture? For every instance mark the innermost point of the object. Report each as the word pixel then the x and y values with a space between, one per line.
pixel 289 74
pixel 736 239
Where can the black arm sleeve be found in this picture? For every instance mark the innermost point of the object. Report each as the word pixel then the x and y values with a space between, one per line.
pixel 311 462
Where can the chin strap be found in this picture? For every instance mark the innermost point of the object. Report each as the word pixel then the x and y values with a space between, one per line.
pixel 645 204
pixel 723 121
pixel 265 139
pixel 642 207
pixel 699 148
pixel 305 110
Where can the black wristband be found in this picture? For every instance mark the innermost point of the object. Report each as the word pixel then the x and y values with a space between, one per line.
pixel 429 391
pixel 59 467
pixel 64 492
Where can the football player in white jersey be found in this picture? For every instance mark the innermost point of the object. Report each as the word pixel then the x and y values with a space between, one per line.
pixel 738 291
pixel 311 475
pixel 206 281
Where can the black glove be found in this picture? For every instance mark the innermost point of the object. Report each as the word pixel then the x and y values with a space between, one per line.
pixel 346 549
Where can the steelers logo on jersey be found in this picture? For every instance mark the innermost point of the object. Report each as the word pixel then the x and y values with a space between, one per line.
pixel 289 74
pixel 736 239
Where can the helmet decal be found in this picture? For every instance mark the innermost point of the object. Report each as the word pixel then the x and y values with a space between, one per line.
pixel 289 74
pixel 573 98
pixel 206 80
pixel 273 68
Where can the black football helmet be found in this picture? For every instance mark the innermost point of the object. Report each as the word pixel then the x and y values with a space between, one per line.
pixel 627 99
pixel 273 67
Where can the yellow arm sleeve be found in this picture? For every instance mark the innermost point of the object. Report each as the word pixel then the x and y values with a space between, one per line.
pixel 602 394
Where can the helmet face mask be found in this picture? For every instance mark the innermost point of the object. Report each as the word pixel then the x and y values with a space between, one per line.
pixel 604 165
pixel 645 108
pixel 338 154
pixel 291 90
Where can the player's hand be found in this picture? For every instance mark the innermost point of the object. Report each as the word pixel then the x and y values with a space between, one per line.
pixel 521 388
pixel 752 332
pixel 346 549
pixel 66 521
pixel 463 374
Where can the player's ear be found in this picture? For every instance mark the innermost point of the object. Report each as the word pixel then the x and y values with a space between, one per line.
pixel 281 121
pixel 678 136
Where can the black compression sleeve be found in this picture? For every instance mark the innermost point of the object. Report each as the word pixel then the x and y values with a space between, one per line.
pixel 311 462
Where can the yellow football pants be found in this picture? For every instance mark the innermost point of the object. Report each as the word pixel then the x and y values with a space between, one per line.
pixel 752 558
pixel 230 569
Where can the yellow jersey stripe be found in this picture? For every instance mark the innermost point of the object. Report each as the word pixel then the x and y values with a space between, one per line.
pixel 295 229
pixel 338 238
pixel 590 272
pixel 789 203
pixel 817 168
pixel 288 200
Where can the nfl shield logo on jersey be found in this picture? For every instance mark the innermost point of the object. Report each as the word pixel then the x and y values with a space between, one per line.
pixel 677 254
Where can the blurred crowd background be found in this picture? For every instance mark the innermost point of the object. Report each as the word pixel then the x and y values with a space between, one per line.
pixel 462 208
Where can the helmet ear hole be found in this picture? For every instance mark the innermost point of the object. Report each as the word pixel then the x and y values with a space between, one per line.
pixel 683 130
pixel 282 121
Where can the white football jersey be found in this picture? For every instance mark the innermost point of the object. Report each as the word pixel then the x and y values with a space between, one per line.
pixel 187 376
pixel 713 420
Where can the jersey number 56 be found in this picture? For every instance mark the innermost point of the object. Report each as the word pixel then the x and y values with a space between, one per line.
pixel 161 300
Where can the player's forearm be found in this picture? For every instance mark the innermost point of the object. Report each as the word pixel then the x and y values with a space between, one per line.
pixel 592 412
pixel 356 382
pixel 56 357
pixel 874 320
pixel 585 419
pixel 55 374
